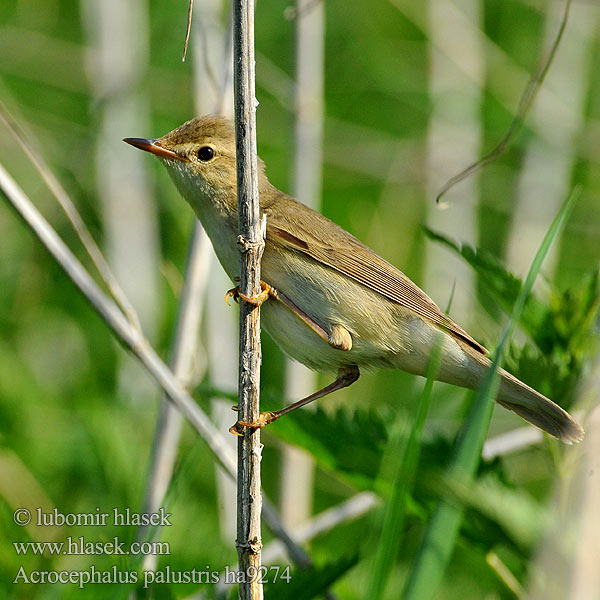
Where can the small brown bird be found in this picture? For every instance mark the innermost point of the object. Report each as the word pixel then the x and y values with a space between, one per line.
pixel 334 304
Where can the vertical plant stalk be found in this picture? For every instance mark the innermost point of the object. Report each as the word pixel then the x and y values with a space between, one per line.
pixel 297 468
pixel 251 245
pixel 192 302
pixel 184 348
pixel 454 135
pixel 118 53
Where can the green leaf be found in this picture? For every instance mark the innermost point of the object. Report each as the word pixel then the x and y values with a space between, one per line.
pixel 521 518
pixel 305 584
pixel 351 445
pixel 561 327
pixel 503 286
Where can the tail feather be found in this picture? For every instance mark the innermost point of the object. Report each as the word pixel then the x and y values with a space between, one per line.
pixel 518 397
pixel 537 409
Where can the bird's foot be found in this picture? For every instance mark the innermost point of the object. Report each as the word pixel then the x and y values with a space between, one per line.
pixel 266 291
pixel 264 418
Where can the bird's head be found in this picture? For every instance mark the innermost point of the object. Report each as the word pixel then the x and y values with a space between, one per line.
pixel 200 157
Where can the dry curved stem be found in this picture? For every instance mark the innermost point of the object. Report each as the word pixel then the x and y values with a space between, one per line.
pixel 74 217
pixel 129 336
pixel 525 103
pixel 135 341
pixel 327 520
pixel 188 30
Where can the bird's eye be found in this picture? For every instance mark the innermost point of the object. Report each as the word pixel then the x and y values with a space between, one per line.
pixel 205 153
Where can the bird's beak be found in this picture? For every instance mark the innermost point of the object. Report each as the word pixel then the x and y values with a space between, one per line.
pixel 154 147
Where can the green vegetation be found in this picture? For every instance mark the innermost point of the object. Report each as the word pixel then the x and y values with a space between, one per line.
pixel 77 416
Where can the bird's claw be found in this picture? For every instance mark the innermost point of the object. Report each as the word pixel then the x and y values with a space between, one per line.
pixel 264 418
pixel 265 293
pixel 232 293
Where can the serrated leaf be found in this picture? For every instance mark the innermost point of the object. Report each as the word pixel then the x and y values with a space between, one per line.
pixel 350 445
pixel 503 286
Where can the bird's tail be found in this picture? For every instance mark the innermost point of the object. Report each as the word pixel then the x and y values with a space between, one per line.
pixel 516 396
pixel 537 409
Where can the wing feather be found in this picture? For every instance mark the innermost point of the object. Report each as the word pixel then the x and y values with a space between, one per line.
pixel 344 253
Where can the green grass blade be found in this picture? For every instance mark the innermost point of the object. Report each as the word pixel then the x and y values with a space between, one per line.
pixel 440 537
pixel 403 450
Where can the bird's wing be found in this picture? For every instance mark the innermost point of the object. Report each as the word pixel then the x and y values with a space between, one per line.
pixel 344 253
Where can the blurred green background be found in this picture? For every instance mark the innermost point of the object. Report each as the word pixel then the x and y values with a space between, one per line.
pixel 414 92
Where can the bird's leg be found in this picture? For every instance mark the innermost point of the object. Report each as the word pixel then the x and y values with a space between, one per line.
pixel 346 376
pixel 339 337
